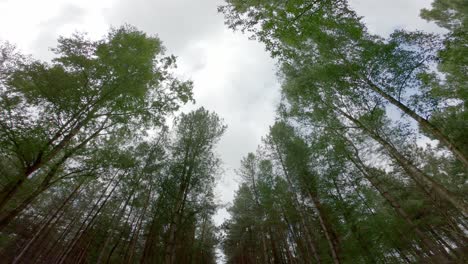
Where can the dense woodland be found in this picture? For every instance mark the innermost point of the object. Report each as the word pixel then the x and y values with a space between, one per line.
pixel 366 162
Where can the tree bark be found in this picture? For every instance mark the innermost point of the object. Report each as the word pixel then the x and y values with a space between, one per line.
pixel 425 124
pixel 427 243
pixel 86 224
pixel 307 230
pixel 330 234
pixel 46 224
pixel 428 185
pixel 139 225
pixel 8 192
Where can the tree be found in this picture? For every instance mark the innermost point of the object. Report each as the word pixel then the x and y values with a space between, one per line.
pixel 192 170
pixel 116 85
pixel 96 175
pixel 328 38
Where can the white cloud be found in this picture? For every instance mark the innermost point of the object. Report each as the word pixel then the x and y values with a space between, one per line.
pixel 383 16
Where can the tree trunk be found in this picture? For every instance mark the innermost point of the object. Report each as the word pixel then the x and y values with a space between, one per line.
pixel 115 219
pixel 179 209
pixel 276 256
pixel 6 219
pixel 427 243
pixel 62 236
pixel 46 224
pixel 7 192
pixel 424 123
pixel 86 224
pixel 429 186
pixel 170 245
pixel 354 228
pixel 307 230
pixel 330 235
pixel 139 225
pixel 121 233
pixel 10 189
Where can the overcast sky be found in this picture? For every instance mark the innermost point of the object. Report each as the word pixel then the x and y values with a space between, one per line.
pixel 233 76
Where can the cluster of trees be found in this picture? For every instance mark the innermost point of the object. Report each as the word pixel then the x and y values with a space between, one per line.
pixel 90 172
pixel 340 177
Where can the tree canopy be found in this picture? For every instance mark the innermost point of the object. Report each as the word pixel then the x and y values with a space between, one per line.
pixel 366 161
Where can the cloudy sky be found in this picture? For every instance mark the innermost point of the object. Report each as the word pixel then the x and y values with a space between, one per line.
pixel 233 76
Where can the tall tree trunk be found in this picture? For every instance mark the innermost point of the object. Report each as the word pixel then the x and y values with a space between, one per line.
pixel 115 219
pixel 147 255
pixel 264 255
pixel 121 233
pixel 83 252
pixel 103 249
pixel 126 246
pixel 424 123
pixel 43 186
pixel 171 241
pixel 307 230
pixel 86 224
pixel 276 256
pixel 309 252
pixel 152 237
pixel 354 228
pixel 427 243
pixel 46 224
pixel 428 185
pixel 400 251
pixel 9 190
pixel 179 210
pixel 139 225
pixel 330 234
pixel 49 249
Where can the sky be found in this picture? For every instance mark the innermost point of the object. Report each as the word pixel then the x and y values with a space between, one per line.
pixel 233 76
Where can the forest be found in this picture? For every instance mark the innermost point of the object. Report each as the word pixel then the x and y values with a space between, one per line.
pixel 366 162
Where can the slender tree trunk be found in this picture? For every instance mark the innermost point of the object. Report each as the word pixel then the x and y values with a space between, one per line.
pixel 46 224
pixel 103 249
pixel 170 246
pixel 109 234
pixel 432 188
pixel 424 123
pixel 307 253
pixel 174 225
pixel 330 235
pixel 45 184
pixel 10 189
pixel 6 219
pixel 264 249
pixel 307 230
pixel 276 256
pixel 426 241
pixel 62 236
pixel 8 192
pixel 82 256
pixel 149 242
pixel 393 242
pixel 354 228
pixel 152 237
pixel 299 250
pixel 139 225
pixel 86 224
pixel 121 234
pixel 124 253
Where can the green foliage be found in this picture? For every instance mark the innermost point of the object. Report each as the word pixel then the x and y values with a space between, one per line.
pixel 82 176
pixel 354 179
